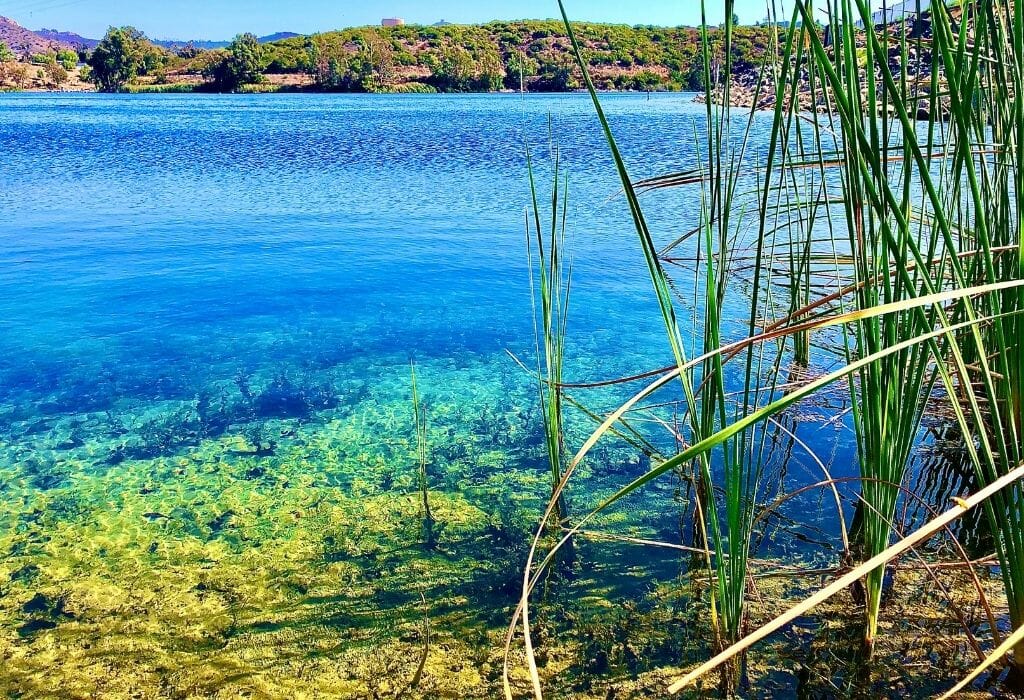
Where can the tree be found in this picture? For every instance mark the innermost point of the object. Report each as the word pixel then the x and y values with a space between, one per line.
pixel 366 65
pixel 14 74
pixel 118 58
pixel 454 68
pixel 56 75
pixel 240 65
pixel 6 54
pixel 67 58
pixel 518 68
pixel 557 73
pixel 378 55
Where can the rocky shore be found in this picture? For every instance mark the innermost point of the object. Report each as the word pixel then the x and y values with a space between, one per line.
pixel 748 90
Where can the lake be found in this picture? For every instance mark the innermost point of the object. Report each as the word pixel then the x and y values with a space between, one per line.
pixel 208 310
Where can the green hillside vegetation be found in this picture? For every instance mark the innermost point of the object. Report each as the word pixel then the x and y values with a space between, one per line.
pixel 531 55
pixel 461 58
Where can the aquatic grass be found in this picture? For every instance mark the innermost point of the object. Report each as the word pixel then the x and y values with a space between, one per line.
pixel 927 286
pixel 535 573
pixel 551 284
pixel 917 537
pixel 967 203
pixel 889 396
pixel 726 528
pixel 984 69
pixel 420 424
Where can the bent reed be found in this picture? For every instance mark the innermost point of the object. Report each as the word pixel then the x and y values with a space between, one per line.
pixel 876 243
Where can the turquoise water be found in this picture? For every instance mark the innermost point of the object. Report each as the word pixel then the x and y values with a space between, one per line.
pixel 208 307
pixel 154 245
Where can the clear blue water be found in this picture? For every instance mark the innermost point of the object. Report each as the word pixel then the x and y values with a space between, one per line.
pixel 151 244
pixel 177 269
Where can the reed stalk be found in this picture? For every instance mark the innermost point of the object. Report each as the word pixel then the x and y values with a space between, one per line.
pixel 420 424
pixel 910 192
pixel 551 284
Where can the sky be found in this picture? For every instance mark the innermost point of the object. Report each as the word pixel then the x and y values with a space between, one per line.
pixel 222 19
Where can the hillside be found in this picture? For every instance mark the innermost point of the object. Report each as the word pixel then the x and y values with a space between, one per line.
pixel 67 38
pixel 25 41
pixel 178 45
pixel 535 55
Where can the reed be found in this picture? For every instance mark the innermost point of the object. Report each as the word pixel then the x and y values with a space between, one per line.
pixel 725 523
pixel 982 58
pixel 955 189
pixel 551 284
pixel 888 207
pixel 420 424
pixel 890 395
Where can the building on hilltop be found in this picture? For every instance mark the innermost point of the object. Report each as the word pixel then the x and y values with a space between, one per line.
pixel 392 22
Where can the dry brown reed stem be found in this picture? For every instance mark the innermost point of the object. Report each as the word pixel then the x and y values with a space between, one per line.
pixel 920 535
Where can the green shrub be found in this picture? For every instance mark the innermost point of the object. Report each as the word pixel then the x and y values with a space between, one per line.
pixel 412 87
pixel 67 58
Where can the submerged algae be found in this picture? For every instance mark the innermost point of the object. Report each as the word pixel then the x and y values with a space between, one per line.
pixel 225 569
pixel 282 557
pixel 277 557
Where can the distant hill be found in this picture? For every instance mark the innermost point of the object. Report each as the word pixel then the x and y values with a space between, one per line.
pixel 23 41
pixel 71 38
pixel 532 55
pixel 279 36
pixel 174 44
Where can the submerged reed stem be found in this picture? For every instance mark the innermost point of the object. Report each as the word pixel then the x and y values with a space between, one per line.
pixel 420 423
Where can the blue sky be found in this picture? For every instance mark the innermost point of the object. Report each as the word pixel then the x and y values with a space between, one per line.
pixel 222 19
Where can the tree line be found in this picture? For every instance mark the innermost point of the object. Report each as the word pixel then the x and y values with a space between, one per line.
pixel 528 55
pixel 52 69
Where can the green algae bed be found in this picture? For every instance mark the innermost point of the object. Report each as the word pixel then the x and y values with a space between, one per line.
pixel 284 560
pixel 281 559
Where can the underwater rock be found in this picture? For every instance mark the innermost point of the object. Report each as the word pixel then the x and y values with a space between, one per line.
pixel 33 626
pixel 282 398
pixel 256 472
pixel 39 603
pixel 220 522
pixel 47 477
pixel 45 612
pixel 69 442
pixel 214 413
pixel 26 574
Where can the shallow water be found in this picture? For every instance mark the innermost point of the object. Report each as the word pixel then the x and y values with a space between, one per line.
pixel 208 306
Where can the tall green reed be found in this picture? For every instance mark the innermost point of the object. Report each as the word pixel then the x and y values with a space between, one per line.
pixel 981 54
pixel 889 396
pixel 947 214
pixel 928 290
pixel 726 525
pixel 551 283
pixel 420 424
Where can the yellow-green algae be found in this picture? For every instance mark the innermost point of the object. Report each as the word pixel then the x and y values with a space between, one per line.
pixel 285 562
pixel 150 599
pixel 224 571
pixel 278 562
